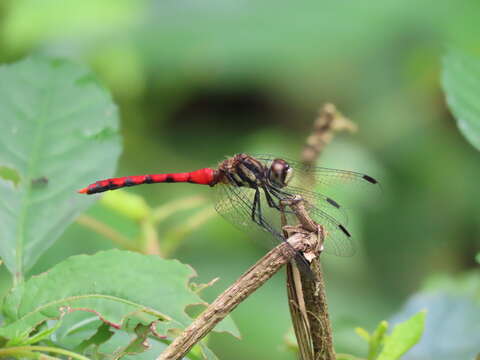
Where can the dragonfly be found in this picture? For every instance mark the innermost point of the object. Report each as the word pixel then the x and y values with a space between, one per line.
pixel 252 188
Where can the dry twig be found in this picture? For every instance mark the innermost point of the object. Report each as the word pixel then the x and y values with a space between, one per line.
pixel 307 298
pixel 329 120
pixel 255 277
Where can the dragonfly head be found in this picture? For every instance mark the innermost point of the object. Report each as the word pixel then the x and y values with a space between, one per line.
pixel 280 173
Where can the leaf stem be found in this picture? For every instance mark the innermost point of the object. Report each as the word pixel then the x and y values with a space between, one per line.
pixel 17 278
pixel 172 239
pixel 20 349
pixel 162 212
pixel 149 238
pixel 107 231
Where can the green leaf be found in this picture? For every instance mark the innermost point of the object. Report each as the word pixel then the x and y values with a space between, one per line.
pixel 152 348
pixel 144 347
pixel 363 333
pixel 138 345
pixel 43 332
pixel 119 285
pixel 404 336
pixel 58 133
pixel 77 331
pixel 101 336
pixel 117 347
pixel 377 339
pixel 461 83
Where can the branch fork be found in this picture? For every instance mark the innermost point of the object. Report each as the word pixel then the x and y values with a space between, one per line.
pixel 301 239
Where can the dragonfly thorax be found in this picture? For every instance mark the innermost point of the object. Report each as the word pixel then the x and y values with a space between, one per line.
pixel 245 171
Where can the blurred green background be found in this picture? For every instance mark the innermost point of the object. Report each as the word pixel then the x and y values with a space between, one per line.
pixel 196 81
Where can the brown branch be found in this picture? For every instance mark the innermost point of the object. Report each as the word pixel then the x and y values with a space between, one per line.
pixel 317 312
pixel 298 313
pixel 255 277
pixel 307 297
pixel 303 327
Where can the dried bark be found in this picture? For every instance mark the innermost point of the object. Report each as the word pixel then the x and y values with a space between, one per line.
pixel 255 277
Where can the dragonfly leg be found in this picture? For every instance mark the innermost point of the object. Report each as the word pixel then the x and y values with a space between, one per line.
pixel 255 205
pixel 257 212
pixel 258 218
pixel 299 257
pixel 270 201
pixel 280 196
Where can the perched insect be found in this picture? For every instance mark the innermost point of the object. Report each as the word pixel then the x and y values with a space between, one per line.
pixel 250 189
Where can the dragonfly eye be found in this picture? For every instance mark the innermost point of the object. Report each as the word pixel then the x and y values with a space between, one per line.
pixel 288 175
pixel 280 173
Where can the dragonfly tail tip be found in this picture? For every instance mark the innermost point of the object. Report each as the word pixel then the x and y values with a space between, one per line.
pixel 370 179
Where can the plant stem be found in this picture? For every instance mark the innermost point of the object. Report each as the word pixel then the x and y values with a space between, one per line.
pixel 172 239
pixel 21 349
pixel 149 238
pixel 107 231
pixel 162 212
pixel 255 277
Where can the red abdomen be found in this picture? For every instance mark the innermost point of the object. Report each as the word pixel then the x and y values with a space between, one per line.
pixel 204 176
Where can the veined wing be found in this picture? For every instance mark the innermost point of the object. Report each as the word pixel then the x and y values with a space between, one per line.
pixel 341 186
pixel 338 240
pixel 324 176
pixel 321 202
pixel 235 205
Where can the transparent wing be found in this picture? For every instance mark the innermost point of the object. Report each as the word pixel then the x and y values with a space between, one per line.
pixel 235 204
pixel 341 186
pixel 321 202
pixel 325 176
pixel 325 207
pixel 338 240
